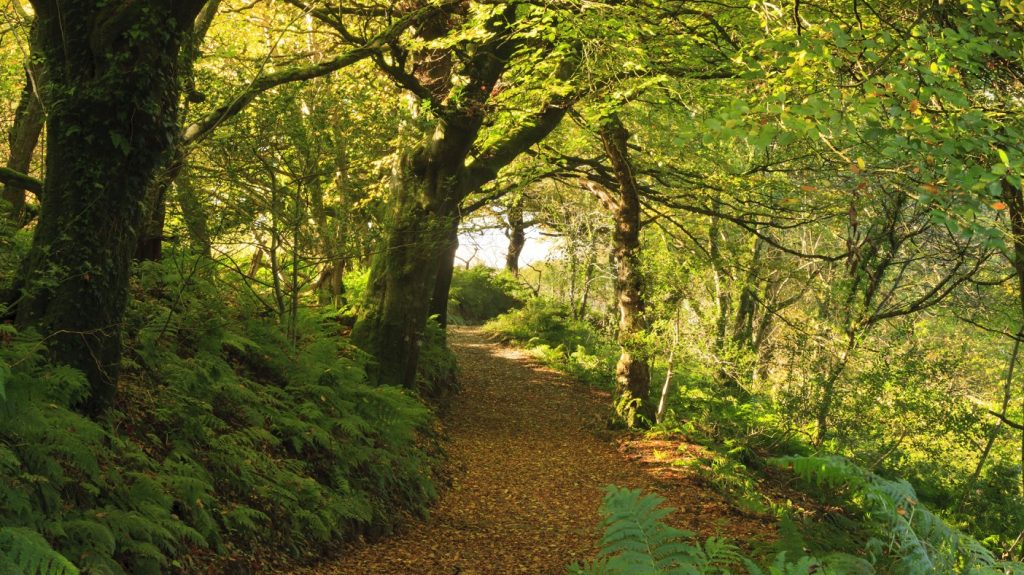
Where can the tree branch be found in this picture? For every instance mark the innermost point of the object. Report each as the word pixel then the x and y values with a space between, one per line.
pixel 206 125
pixel 20 180
pixel 1005 420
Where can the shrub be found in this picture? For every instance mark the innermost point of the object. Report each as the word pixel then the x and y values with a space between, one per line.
pixel 549 329
pixel 479 294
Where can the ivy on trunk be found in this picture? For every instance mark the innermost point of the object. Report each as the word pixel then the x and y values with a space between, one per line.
pixel 632 372
pixel 113 99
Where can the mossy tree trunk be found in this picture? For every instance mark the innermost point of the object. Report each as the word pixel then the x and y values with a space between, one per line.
pixel 194 212
pixel 633 372
pixel 445 273
pixel 112 118
pixel 402 282
pixel 151 236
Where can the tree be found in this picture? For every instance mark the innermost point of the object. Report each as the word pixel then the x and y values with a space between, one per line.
pixel 113 100
pixel 632 372
pixel 24 135
pixel 458 85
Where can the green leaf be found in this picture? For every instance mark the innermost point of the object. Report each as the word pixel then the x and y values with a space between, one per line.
pixel 1005 159
pixel 121 143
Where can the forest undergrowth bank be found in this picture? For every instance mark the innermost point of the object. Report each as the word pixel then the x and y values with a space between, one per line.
pixel 236 440
pixel 234 232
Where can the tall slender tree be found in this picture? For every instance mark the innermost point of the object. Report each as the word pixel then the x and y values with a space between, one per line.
pixel 633 371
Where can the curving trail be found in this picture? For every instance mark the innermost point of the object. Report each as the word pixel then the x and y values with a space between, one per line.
pixel 528 463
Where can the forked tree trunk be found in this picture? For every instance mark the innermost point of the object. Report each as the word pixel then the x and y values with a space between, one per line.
pixel 403 278
pixel 112 118
pixel 428 187
pixel 632 373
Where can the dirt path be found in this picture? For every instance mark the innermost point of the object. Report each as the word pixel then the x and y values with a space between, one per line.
pixel 529 463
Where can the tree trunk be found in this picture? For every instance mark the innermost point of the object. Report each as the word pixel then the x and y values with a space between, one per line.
pixel 743 327
pixel 330 286
pixel 828 389
pixel 588 277
pixel 1015 201
pixel 723 300
pixel 151 238
pixel 112 117
pixel 29 119
pixel 193 212
pixel 666 387
pixel 516 233
pixel 331 233
pixel 443 283
pixel 403 279
pixel 150 245
pixel 430 183
pixel 632 373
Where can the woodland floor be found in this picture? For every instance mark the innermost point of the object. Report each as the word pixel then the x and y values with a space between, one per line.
pixel 529 458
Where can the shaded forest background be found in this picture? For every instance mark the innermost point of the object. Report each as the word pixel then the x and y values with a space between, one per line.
pixel 793 233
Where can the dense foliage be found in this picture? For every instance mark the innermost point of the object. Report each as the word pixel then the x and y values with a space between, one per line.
pixel 479 294
pixel 789 231
pixel 230 441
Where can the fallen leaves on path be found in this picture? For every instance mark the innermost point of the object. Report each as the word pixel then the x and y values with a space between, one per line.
pixel 528 466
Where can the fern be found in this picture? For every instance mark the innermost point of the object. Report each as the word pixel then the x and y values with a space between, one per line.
pixel 225 437
pixel 25 552
pixel 637 542
pixel 920 541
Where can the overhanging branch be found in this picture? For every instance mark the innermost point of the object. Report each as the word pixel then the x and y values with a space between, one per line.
pixel 207 124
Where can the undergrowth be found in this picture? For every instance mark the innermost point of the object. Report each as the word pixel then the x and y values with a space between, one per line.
pixel 479 294
pixel 637 541
pixel 551 332
pixel 227 444
pixel 861 523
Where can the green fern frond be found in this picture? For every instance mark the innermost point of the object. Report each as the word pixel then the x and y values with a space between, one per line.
pixel 637 542
pixel 921 542
pixel 31 554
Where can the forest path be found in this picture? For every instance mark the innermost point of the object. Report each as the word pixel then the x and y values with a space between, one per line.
pixel 529 463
